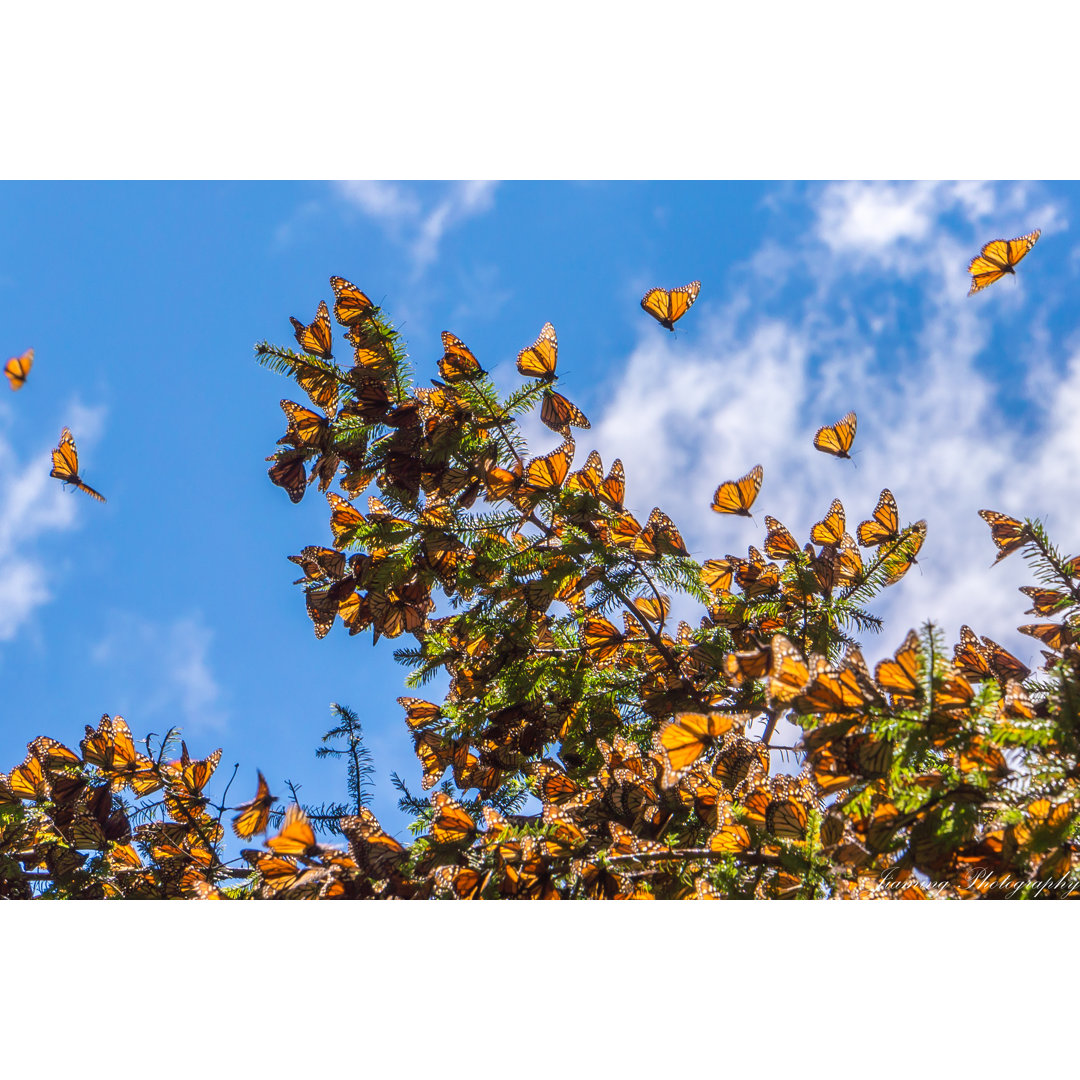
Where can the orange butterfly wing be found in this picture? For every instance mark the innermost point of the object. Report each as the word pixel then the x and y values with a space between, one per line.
pixel 998 258
pixel 737 496
pixel 837 438
pixel 540 358
pixel 668 306
pixel 18 367
pixel 65 460
pixel 316 339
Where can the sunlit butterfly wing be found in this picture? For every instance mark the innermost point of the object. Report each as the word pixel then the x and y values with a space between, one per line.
pixel 667 306
pixel 899 677
pixel 830 530
pixel 737 496
pixel 352 306
pixel 558 413
pixel 998 258
pixel 837 438
pixel 254 815
pixel 289 472
pixel 316 339
pixel 539 359
pixel 884 525
pixel 457 361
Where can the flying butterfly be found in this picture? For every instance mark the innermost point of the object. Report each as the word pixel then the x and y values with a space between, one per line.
pixel 65 460
pixel 539 359
pixel 737 496
pixel 1006 532
pixel 837 438
pixel 897 565
pixel 997 259
pixel 668 306
pixel 18 367
pixel 316 339
pixel 779 543
pixel 884 525
pixel 352 306
pixel 296 837
pixel 457 361
pixel 254 815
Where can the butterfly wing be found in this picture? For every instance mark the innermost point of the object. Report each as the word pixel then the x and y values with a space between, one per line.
pixel 457 361
pixel 998 258
pixel 667 306
pixel 539 359
pixel 737 496
pixel 837 438
pixel 558 413
pixel 316 339
pixel 884 525
pixel 65 460
pixel 352 306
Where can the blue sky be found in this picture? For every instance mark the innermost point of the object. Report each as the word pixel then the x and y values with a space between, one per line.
pixel 172 604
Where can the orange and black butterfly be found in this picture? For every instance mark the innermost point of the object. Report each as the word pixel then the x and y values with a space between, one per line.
pixel 344 519
pixel 1043 601
pixel 688 736
pixel 997 259
pixel 789 673
pixel 457 361
pixel 837 438
pixel 316 339
pixel 830 530
pixel 289 472
pixel 539 359
pixel 899 677
pixel 296 837
pixel 546 474
pixel 668 306
pixel 559 413
pixel 899 562
pixel 352 306
pixel 18 367
pixel 1054 635
pixel 254 815
pixel 306 427
pixel 1006 532
pixel 737 496
pixel 779 543
pixel 65 459
pixel 884 525
pixel 600 639
pixel 451 825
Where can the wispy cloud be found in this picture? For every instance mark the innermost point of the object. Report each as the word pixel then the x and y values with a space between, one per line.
pixel 419 215
pixel 162 670
pixel 885 329
pixel 32 505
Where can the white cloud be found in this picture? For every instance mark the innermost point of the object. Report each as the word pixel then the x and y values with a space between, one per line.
pixel 162 670
pixel 753 387
pixel 409 214
pixel 34 504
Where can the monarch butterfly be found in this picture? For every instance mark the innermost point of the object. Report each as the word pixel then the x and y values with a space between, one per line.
pixel 306 428
pixel 18 367
pixel 653 609
pixel 457 361
pixel 837 438
pixel 555 786
pixel 1043 601
pixel 1054 635
pixel 716 575
pixel 193 776
pixel 539 359
pixel 398 611
pixel 902 558
pixel 832 690
pixel 788 673
pixel 296 837
pixel 1002 662
pixel 565 837
pixel 319 562
pixel 884 525
pixel 316 339
pixel 660 536
pixel 352 306
pixel 849 564
pixel 345 519
pixel 830 530
pixel 289 472
pixel 112 749
pixel 755 575
pixel 739 666
pixel 899 677
pixel 451 825
pixel 600 639
pixel 668 306
pixel 547 473
pixel 998 258
pixel 254 815
pixel 558 413
pixel 779 543
pixel 65 459
pixel 1006 532
pixel 737 496
pixel 688 736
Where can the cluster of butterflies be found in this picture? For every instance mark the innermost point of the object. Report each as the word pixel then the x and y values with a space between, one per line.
pixel 65 458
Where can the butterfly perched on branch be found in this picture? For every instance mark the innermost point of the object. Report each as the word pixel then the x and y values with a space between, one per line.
pixel 668 306
pixel 997 259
